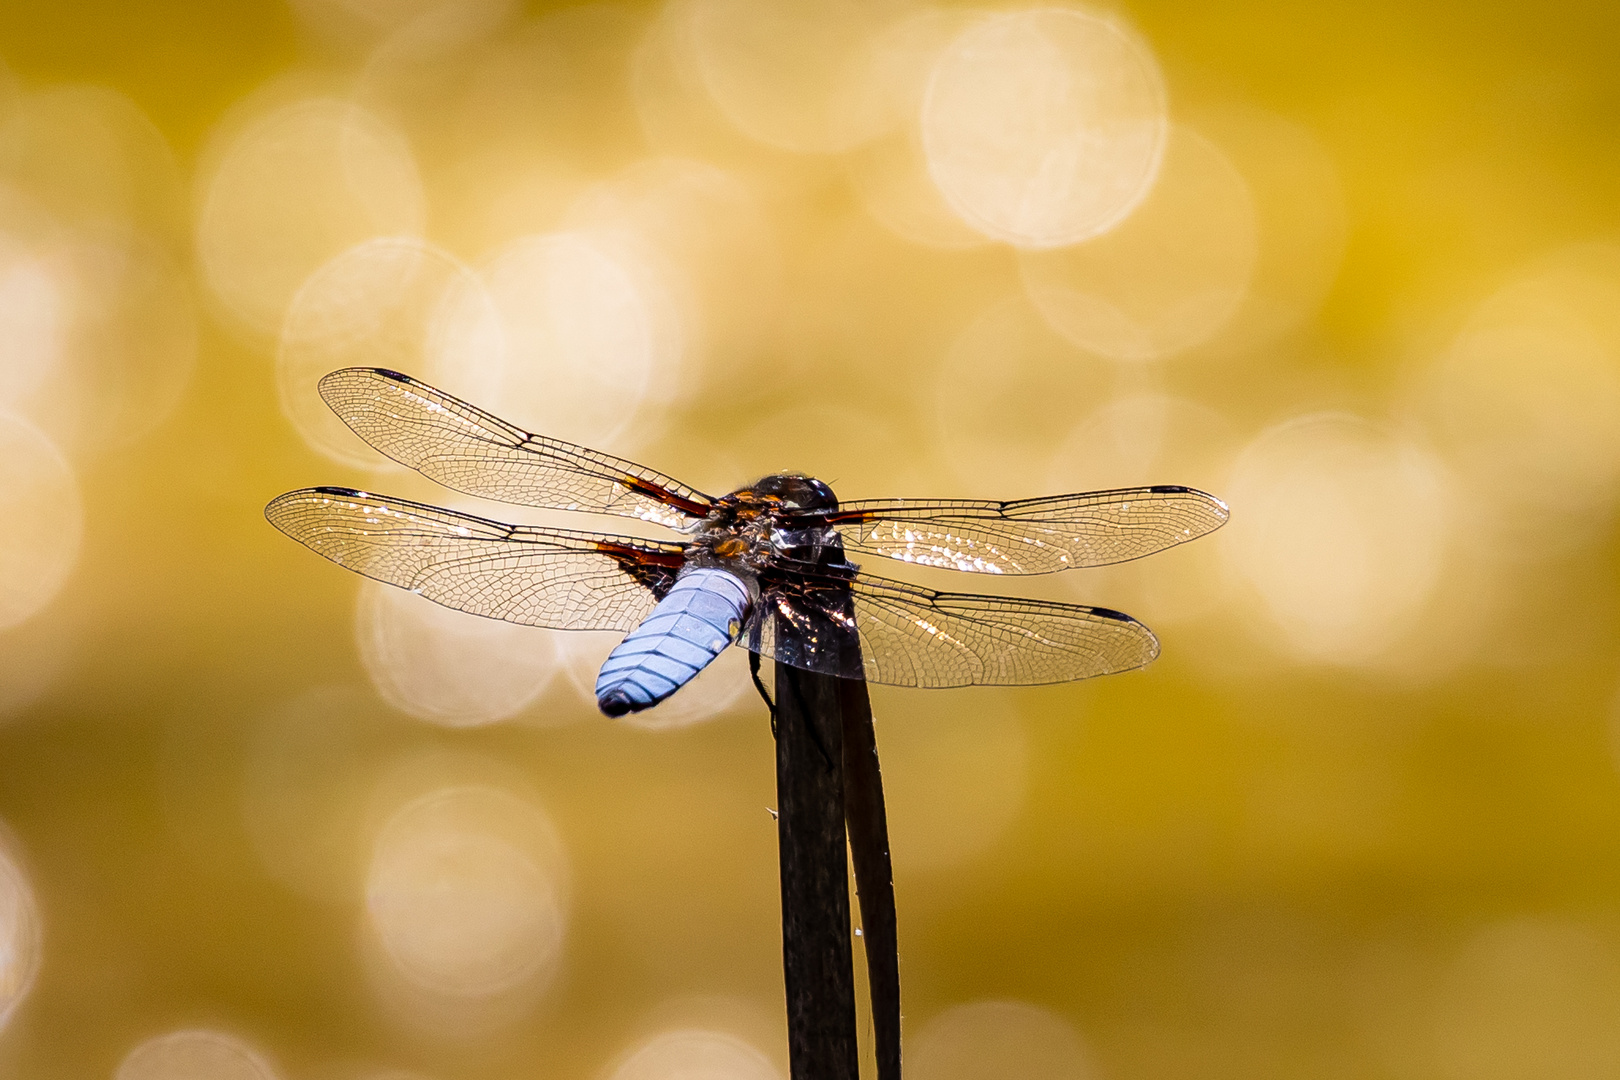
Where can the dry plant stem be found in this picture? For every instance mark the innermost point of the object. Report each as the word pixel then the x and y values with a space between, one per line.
pixel 816 962
pixel 874 875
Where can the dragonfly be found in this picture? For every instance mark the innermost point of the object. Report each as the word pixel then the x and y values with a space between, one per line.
pixel 766 567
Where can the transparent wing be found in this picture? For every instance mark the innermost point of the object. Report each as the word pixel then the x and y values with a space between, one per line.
pixel 1030 536
pixel 467 449
pixel 538 577
pixel 909 636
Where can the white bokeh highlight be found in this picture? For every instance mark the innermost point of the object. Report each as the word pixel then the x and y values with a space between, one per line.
pixel 466 894
pixel 791 74
pixel 194 1054
pixel 291 187
pixel 1526 401
pixel 445 666
pixel 699 237
pixel 890 172
pixel 90 158
pixel 44 514
pixel 32 321
pixel 377 304
pixel 128 339
pixel 20 937
pixel 1008 1040
pixel 587 335
pixel 695 1054
pixel 1007 391
pixel 1343 535
pixel 1167 278
pixel 1045 127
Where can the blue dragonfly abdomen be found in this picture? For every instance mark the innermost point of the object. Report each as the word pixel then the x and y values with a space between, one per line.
pixel 701 615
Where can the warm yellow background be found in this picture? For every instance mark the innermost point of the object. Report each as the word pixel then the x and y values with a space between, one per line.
pixel 1396 854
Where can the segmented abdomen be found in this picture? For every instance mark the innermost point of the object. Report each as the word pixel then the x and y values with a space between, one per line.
pixel 701 615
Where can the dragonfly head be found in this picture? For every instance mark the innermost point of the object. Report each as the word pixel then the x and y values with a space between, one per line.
pixel 798 492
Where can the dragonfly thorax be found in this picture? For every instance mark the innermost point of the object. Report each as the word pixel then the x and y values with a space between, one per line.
pixel 755 526
pixel 796 491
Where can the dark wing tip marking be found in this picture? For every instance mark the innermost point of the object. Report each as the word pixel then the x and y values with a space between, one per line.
pixel 273 510
pixel 1180 489
pixel 1146 631
pixel 387 373
pixel 1183 489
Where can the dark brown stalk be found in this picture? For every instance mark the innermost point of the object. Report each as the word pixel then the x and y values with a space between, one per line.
pixel 816 964
pixel 874 876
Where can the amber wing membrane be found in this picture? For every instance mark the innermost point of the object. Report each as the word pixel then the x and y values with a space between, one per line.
pixel 465 448
pixel 1030 536
pixel 538 577
pixel 910 636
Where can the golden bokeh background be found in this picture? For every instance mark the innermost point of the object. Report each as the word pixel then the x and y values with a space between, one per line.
pixel 1356 269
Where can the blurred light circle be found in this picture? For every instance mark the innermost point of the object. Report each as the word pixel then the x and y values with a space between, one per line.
pixel 1169 276
pixel 194 1055
pixel 1008 1040
pixel 420 28
pixel 789 73
pixel 130 339
pixel 445 666
pixel 32 319
pixel 1044 127
pixel 678 114
pixel 955 776
pixel 90 156
pixel 1006 392
pixel 588 335
pixel 692 1054
pixel 721 688
pixel 1300 220
pixel 294 187
pixel 44 515
pixel 891 172
pixel 1342 529
pixel 373 306
pixel 700 235
pixel 1143 438
pixel 1527 398
pixel 1531 1000
pixel 891 178
pixel 19 934
pixel 466 892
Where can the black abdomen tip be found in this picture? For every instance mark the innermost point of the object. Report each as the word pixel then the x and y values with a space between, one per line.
pixel 615 703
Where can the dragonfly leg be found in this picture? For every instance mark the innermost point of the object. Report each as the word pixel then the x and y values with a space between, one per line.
pixel 759 684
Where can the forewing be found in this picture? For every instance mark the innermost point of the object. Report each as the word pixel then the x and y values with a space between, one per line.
pixel 538 577
pixel 1030 536
pixel 910 636
pixel 465 448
